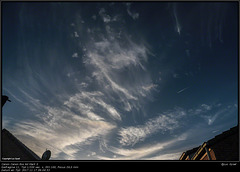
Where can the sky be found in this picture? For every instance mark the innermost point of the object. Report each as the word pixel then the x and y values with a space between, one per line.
pixel 119 80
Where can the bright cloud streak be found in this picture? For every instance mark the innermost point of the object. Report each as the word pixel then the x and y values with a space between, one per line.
pixel 99 81
pixel 144 151
pixel 108 58
pixel 83 116
pixel 178 27
pixel 63 128
pixel 164 122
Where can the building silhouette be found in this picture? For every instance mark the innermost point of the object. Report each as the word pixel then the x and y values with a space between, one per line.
pixel 223 147
pixel 13 149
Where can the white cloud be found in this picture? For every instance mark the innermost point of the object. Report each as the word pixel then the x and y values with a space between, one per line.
pixel 60 129
pixel 86 102
pixel 203 108
pixel 76 35
pixel 210 113
pixel 134 15
pixel 83 84
pixel 75 55
pixel 143 152
pixel 164 122
pixel 149 87
pixel 178 27
pixel 108 58
pixel 103 146
pixel 89 113
pixel 112 111
pixel 91 154
pixel 211 118
pixel 5 123
pixel 16 98
pixel 168 156
pixel 133 154
pixel 206 107
pixel 32 103
pixel 105 17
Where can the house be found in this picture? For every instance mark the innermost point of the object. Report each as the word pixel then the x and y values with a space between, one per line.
pixel 13 149
pixel 188 154
pixel 224 146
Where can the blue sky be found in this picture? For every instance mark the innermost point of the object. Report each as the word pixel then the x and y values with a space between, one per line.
pixel 119 80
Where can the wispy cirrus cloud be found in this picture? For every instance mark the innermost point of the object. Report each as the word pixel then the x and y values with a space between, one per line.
pixel 211 112
pixel 134 15
pixel 90 99
pixel 170 121
pixel 64 122
pixel 211 117
pixel 167 121
pixel 145 152
pixel 201 109
pixel 59 128
pixel 107 18
pixel 168 156
pixel 178 26
pixel 86 102
pixel 77 121
pixel 109 58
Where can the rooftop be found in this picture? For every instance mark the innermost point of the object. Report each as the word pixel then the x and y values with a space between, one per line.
pixel 193 153
pixel 14 149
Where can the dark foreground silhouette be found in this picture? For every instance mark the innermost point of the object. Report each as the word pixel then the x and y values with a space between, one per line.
pixel 5 99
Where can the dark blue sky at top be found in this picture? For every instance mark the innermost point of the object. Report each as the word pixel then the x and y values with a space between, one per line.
pixel 114 79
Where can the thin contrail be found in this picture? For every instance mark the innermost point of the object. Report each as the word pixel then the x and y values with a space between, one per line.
pixel 182 90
